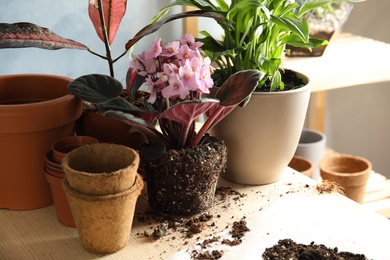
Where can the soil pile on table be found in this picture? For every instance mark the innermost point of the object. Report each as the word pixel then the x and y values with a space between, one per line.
pixel 288 249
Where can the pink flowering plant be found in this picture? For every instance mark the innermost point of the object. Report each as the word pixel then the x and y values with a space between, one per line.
pixel 176 75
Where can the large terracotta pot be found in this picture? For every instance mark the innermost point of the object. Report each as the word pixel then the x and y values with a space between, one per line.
pixel 263 136
pixel 35 110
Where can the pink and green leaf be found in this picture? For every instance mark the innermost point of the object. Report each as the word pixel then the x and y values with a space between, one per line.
pixel 113 11
pixel 21 35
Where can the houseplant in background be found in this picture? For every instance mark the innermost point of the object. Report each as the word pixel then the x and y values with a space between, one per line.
pixel 255 37
pixel 323 23
pixel 180 165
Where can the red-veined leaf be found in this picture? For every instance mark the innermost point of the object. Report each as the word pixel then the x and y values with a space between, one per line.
pixel 21 35
pixel 113 11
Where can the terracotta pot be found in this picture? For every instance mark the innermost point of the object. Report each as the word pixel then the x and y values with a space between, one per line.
pixel 35 110
pixel 351 172
pixel 63 146
pixel 104 221
pixel 183 182
pixel 61 204
pixel 101 168
pixel 102 128
pixel 263 136
pixel 301 165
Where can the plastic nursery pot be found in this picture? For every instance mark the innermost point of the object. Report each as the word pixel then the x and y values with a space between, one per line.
pixel 301 165
pixel 61 204
pixel 104 221
pixel 63 146
pixel 101 168
pixel 351 172
pixel 35 110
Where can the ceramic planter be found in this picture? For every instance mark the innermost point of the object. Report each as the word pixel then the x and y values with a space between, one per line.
pixel 101 168
pixel 35 110
pixel 104 221
pixel 301 165
pixel 263 136
pixel 183 182
pixel 351 172
pixel 311 146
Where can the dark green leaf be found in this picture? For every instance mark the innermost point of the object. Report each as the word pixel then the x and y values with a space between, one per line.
pixel 95 88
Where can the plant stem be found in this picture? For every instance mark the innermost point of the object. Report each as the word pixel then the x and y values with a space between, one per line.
pixel 105 36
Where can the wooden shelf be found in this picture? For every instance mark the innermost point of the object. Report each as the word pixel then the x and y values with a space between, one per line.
pixel 349 60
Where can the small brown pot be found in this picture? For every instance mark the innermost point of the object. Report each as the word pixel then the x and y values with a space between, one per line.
pixel 349 171
pixel 104 221
pixel 301 165
pixel 61 204
pixel 63 146
pixel 183 182
pixel 35 110
pixel 102 128
pixel 101 168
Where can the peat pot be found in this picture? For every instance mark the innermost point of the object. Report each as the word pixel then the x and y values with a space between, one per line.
pixel 104 221
pixel 263 136
pixel 101 168
pixel 35 110
pixel 183 181
pixel 351 172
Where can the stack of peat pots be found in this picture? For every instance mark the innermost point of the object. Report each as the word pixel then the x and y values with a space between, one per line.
pixel 102 186
pixel 55 174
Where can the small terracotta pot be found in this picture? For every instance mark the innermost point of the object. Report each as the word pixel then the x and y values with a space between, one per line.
pixel 104 221
pixel 61 204
pixel 351 172
pixel 101 168
pixel 301 165
pixel 63 146
pixel 96 125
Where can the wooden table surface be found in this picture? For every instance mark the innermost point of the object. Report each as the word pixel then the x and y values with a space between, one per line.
pixel 290 208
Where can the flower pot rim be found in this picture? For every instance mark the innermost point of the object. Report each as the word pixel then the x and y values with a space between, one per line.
pixel 307 85
pixel 136 187
pixel 368 164
pixel 65 164
pixel 40 103
pixel 309 130
pixel 74 140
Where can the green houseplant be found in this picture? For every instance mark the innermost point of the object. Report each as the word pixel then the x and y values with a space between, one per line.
pixel 323 23
pixel 263 136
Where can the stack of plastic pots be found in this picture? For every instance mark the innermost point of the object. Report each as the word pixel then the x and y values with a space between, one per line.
pixel 55 174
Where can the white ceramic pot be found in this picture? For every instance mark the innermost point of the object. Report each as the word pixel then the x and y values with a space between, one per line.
pixel 312 147
pixel 263 136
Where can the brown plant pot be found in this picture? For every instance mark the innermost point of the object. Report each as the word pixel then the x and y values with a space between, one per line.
pixel 61 204
pixel 35 110
pixel 315 52
pixel 104 221
pixel 183 182
pixel 63 146
pixel 351 172
pixel 101 168
pixel 301 165
pixel 108 130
